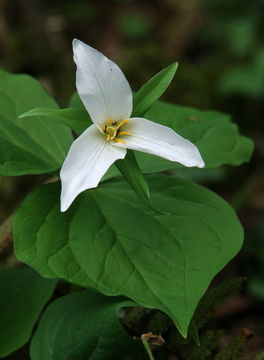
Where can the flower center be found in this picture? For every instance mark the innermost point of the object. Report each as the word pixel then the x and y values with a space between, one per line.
pixel 113 130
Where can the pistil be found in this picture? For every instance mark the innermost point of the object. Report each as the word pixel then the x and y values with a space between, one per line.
pixel 112 130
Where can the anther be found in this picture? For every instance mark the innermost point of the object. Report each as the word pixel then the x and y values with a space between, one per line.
pixel 119 141
pixel 121 123
pixel 124 133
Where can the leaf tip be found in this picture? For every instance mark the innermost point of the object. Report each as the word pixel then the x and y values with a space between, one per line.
pixel 22 116
pixel 175 65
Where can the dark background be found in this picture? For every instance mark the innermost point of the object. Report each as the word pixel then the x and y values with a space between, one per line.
pixel 220 48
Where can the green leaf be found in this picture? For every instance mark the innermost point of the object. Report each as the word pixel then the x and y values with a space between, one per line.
pixel 25 91
pixel 145 97
pixel 33 145
pixel 82 325
pixel 76 102
pixel 130 170
pixel 23 295
pixel 212 132
pixel 76 119
pixel 152 90
pixel 110 242
pixel 193 332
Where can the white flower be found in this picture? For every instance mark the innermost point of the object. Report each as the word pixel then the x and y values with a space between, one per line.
pixel 107 97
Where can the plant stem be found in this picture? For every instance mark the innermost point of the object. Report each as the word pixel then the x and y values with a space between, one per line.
pixel 147 348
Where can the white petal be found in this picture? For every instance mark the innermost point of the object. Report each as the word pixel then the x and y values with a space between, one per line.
pixel 159 140
pixel 101 84
pixel 88 159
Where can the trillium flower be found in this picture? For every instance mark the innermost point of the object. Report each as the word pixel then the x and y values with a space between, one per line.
pixel 107 97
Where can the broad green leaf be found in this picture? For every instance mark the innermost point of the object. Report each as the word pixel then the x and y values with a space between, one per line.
pixel 23 295
pixel 82 325
pixel 76 102
pixel 152 90
pixel 25 91
pixel 33 145
pixel 212 132
pixel 19 154
pixel 110 242
pixel 76 119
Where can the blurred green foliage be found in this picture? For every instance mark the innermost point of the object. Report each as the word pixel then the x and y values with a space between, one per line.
pixel 218 44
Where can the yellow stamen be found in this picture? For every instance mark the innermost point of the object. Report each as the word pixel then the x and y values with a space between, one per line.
pixel 111 129
pixel 121 123
pixel 119 141
pixel 121 133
